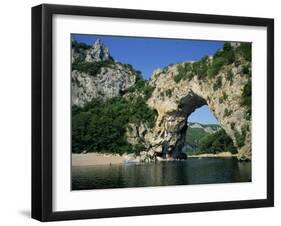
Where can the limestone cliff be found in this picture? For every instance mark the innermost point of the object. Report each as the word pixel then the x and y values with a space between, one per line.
pixel 95 74
pixel 82 52
pixel 223 82
pixel 181 88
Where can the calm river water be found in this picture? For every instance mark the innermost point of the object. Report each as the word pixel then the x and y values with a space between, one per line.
pixel 190 171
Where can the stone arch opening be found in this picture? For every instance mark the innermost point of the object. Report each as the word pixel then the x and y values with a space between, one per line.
pixel 171 126
pixel 203 126
pixel 187 105
pixel 175 102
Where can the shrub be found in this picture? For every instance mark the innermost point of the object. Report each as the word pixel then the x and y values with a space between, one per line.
pixel 100 126
pixel 227 112
pixel 79 45
pixel 147 90
pixel 200 68
pixel 241 137
pixel 246 98
pixel 137 148
pixel 217 142
pixel 184 72
pixel 245 50
pixel 224 95
pixel 240 141
pixel 215 67
pixel 169 92
pixel 247 115
pixel 157 75
pixel 229 76
pixel 232 125
pixel 246 70
pixel 225 56
pixel 165 69
pixel 129 66
pixel 91 68
pixel 178 77
pixel 142 87
pixel 217 85
pixel 228 53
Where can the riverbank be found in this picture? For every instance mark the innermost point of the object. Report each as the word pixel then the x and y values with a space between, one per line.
pixel 209 155
pixel 89 159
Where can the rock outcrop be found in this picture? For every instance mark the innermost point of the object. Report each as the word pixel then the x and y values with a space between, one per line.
pixel 109 82
pixel 98 52
pixel 85 53
pixel 111 78
pixel 175 101
pixel 174 98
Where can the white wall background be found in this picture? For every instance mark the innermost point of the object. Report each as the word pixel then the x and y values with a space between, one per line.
pixel 15 117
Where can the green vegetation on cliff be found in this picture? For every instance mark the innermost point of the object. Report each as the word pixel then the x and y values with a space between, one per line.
pixel 223 57
pixel 200 141
pixel 142 88
pixel 76 46
pixel 246 100
pixel 91 68
pixel 206 67
pixel 217 142
pixel 100 126
pixel 245 50
pixel 194 135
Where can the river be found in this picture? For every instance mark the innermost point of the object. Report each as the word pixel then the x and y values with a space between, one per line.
pixel 187 172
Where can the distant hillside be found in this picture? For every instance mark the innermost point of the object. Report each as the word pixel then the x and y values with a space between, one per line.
pixel 196 132
pixel 206 138
pixel 207 128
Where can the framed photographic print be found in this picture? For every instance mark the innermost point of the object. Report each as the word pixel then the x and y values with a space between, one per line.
pixel 145 112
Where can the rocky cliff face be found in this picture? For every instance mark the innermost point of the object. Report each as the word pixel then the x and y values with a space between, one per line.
pixel 175 99
pixel 98 52
pixel 222 82
pixel 96 75
pixel 207 128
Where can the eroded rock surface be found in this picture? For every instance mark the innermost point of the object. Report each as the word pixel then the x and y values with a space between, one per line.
pixel 109 82
pixel 111 78
pixel 174 102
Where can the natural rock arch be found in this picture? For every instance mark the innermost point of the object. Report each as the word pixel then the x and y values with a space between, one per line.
pixel 218 81
pixel 175 101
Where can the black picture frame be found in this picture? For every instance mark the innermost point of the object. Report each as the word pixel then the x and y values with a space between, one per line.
pixel 42 111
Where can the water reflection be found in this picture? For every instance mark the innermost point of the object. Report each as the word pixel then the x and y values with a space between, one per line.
pixel 191 171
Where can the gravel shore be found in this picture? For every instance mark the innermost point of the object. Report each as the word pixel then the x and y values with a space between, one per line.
pixel 89 159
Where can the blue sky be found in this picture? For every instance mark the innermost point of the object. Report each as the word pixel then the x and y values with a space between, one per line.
pixel 148 54
pixel 203 115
